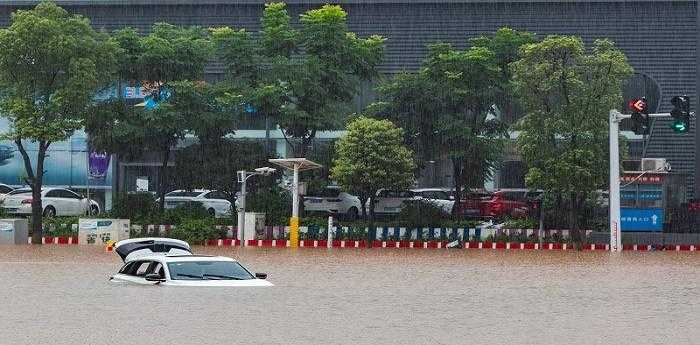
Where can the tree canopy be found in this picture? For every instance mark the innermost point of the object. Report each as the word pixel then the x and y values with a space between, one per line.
pixel 372 156
pixel 51 65
pixel 451 107
pixel 169 63
pixel 567 92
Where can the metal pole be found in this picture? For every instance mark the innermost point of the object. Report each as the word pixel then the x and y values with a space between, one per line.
pixel 294 221
pixel 696 192
pixel 87 180
pixel 241 212
pixel 615 234
pixel 329 238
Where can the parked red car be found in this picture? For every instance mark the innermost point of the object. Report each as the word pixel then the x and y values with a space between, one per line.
pixel 515 203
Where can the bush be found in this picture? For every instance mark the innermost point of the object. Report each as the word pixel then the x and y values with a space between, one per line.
pixel 275 202
pixel 521 223
pixel 197 231
pixel 419 214
pixel 184 213
pixel 137 207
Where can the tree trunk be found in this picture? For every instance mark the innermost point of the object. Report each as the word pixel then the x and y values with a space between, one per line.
pixel 35 181
pixel 363 202
pixel 162 176
pixel 457 176
pixel 573 219
pixel 371 229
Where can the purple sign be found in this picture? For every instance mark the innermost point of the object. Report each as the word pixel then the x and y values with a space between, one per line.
pixel 98 164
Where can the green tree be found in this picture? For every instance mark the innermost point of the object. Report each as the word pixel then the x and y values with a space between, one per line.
pixel 567 93
pixel 51 65
pixel 305 79
pixel 170 62
pixel 215 166
pixel 449 107
pixel 372 156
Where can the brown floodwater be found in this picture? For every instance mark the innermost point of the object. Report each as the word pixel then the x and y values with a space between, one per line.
pixel 61 295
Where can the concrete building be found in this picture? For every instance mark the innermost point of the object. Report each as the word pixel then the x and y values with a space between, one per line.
pixel 658 37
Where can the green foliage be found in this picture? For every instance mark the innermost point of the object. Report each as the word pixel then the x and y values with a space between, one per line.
pixel 168 59
pixel 567 93
pixel 371 156
pixel 136 206
pixel 214 166
pixel 197 231
pixel 51 65
pixel 303 90
pixel 275 202
pixel 420 214
pixel 60 226
pixel 445 107
pixel 521 223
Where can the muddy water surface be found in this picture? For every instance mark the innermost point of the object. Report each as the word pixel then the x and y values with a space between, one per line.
pixel 61 295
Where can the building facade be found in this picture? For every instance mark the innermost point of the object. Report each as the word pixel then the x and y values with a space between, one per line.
pixel 658 37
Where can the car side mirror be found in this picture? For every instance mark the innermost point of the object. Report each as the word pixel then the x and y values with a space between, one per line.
pixel 154 277
pixel 261 275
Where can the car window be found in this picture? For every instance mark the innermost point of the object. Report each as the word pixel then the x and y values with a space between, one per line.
pixel 71 194
pixel 215 195
pixel 126 269
pixel 330 192
pixel 184 194
pixel 141 268
pixel 5 189
pixel 208 270
pixel 405 194
pixel 20 191
pixel 157 268
pixel 56 193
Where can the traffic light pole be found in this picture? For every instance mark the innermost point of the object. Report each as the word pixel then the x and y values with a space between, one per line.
pixel 614 198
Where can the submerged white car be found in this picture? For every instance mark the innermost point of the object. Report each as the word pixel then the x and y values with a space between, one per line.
pixel 170 262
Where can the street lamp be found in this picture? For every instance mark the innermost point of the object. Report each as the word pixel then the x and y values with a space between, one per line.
pixel 243 176
pixel 295 165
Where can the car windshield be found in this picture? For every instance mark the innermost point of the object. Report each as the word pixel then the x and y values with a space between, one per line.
pixel 185 194
pixel 208 270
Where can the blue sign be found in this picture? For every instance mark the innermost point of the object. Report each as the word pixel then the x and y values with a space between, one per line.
pixel 643 195
pixel 642 219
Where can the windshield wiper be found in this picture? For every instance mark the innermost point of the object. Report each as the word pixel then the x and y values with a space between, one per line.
pixel 222 277
pixel 188 275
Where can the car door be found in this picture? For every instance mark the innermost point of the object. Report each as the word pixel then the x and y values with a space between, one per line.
pixel 54 199
pixel 394 201
pixel 217 201
pixel 135 272
pixel 78 204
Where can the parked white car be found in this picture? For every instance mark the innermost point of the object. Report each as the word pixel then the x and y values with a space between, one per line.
pixel 333 200
pixel 56 202
pixel 390 202
pixel 440 197
pixel 170 262
pixel 213 200
pixel 4 190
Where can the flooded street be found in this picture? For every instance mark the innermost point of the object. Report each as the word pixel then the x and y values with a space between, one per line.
pixel 61 295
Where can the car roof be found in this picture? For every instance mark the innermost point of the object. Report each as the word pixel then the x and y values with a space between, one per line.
pixel 432 190
pixel 192 190
pixel 163 257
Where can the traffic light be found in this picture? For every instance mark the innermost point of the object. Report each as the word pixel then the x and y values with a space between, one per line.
pixel 640 116
pixel 680 114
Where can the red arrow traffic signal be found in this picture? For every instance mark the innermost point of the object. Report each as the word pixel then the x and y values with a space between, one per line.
pixel 638 105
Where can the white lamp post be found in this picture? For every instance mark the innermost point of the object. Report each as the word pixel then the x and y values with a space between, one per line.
pixel 243 176
pixel 296 165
